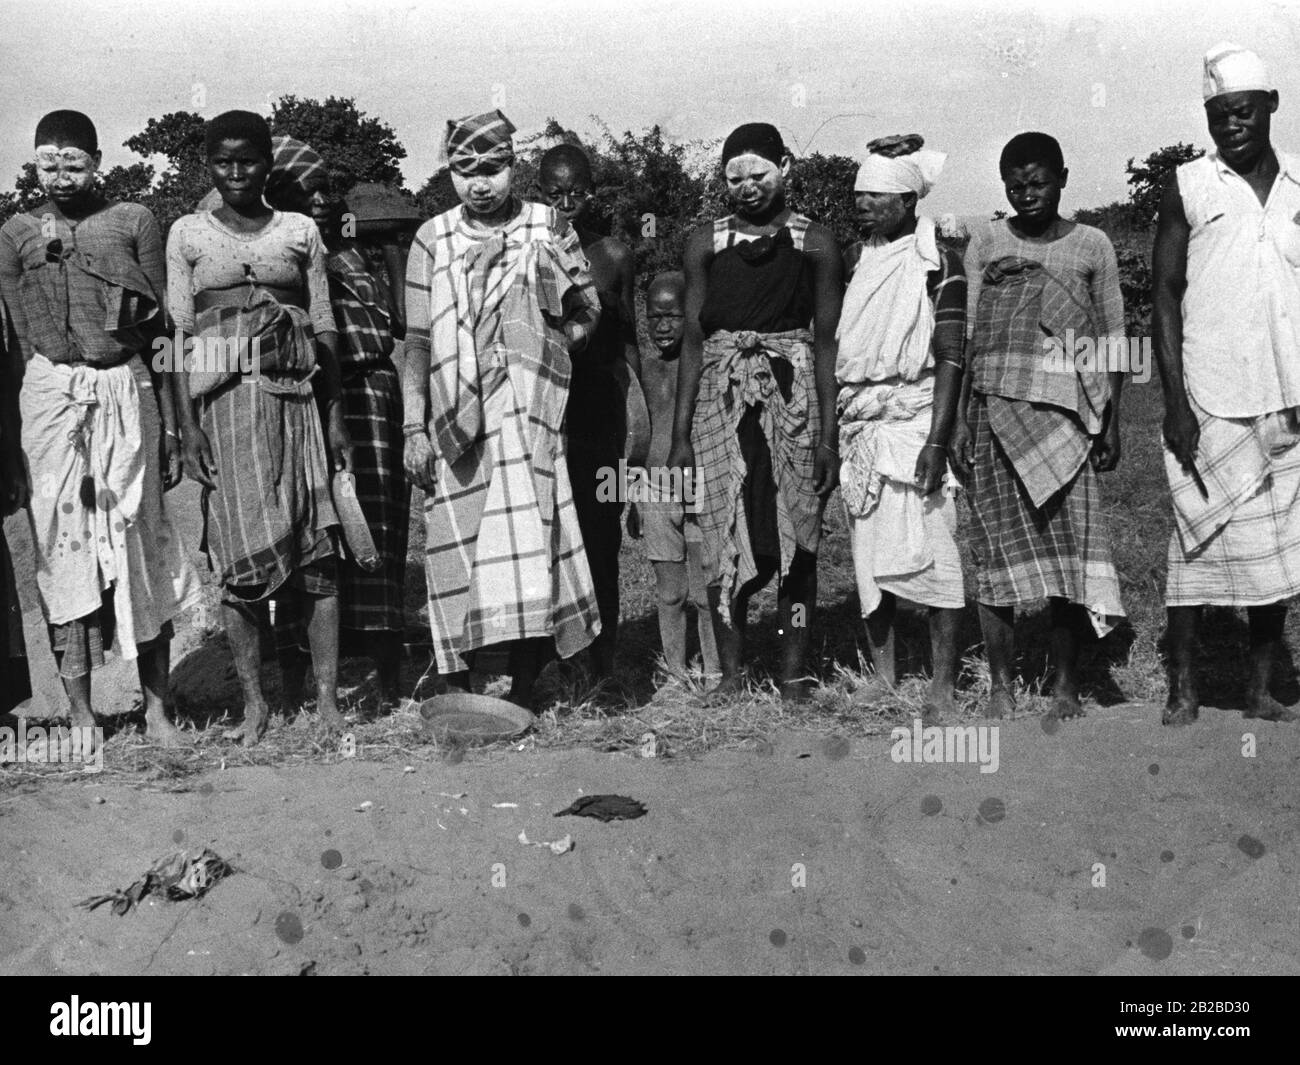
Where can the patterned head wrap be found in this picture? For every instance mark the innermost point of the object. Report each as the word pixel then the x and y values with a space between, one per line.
pixel 478 139
pixel 295 167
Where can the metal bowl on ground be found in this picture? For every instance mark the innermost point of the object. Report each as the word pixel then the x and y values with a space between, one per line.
pixel 463 717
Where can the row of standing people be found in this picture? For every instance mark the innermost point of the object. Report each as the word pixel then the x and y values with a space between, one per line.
pixel 784 380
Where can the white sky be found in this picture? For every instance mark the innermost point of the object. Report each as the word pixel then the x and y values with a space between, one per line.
pixel 697 68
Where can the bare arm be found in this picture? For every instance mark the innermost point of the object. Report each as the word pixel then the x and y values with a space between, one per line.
pixel 1169 281
pixel 695 265
pixel 627 274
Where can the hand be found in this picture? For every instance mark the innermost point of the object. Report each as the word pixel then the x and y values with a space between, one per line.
pixel 1105 449
pixel 682 456
pixel 171 461
pixel 196 456
pixel 576 336
pixel 1182 433
pixel 633 522
pixel 961 449
pixel 931 465
pixel 16 491
pixel 826 470
pixel 418 458
pixel 340 443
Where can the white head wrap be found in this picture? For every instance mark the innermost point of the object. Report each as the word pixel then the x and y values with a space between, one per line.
pixel 1231 68
pixel 907 173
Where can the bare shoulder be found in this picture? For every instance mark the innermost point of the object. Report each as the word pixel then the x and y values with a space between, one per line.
pixel 699 245
pixel 819 240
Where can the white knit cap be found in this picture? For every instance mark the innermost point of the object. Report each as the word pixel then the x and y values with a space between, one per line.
pixel 1231 68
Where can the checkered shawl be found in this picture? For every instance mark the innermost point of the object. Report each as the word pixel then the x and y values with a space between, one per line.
pixel 361 309
pixel 86 298
pixel 737 374
pixel 279 333
pixel 1043 414
pixel 504 555
pixel 1023 552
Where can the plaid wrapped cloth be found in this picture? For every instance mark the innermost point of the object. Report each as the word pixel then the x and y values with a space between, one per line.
pixel 372 411
pixel 1241 545
pixel 1042 412
pixel 259 335
pixel 361 309
pixel 737 374
pixel 504 556
pixel 1024 552
pixel 271 513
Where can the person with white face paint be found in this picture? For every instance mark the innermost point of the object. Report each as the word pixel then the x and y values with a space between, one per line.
pixel 755 413
pixel 499 297
pixel 82 278
pixel 899 367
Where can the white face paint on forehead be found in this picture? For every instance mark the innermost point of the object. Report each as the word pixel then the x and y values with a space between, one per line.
pixel 63 171
pixel 52 155
pixel 740 167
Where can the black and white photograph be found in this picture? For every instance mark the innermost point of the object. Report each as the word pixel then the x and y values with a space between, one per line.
pixel 674 488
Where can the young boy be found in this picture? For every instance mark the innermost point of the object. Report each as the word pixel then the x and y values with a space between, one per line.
pixel 666 520
pixel 1035 433
pixel 83 281
pixel 593 423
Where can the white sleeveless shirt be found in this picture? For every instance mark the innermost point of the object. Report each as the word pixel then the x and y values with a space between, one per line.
pixel 1241 309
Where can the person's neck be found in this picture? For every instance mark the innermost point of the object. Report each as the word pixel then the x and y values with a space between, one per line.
pixel 1035 229
pixel 497 218
pixel 1264 164
pixel 773 215
pixel 80 208
pixel 905 230
pixel 253 212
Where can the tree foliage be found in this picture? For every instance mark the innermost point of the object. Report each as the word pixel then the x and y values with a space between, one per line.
pixel 350 141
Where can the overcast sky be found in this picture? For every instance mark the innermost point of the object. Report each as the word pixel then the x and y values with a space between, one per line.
pixel 1109 79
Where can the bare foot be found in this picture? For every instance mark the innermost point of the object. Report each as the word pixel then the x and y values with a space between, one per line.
pixel 1266 708
pixel 939 703
pixel 164 733
pixel 1066 705
pixel 253 728
pixel 329 720
pixel 1183 705
pixel 520 697
pixel 724 691
pixel 1001 703
pixel 875 690
pixel 795 692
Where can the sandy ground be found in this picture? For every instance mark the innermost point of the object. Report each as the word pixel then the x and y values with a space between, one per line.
pixel 808 855
pixel 1199 846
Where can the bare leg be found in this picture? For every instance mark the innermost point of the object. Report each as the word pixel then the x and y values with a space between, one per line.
pixel 998 625
pixel 1184 703
pixel 321 613
pixel 796 599
pixel 388 665
pixel 1266 625
pixel 880 635
pixel 730 645
pixel 79 711
pixel 241 627
pixel 527 657
pixel 939 700
pixel 699 595
pixel 153 665
pixel 671 586
pixel 1067 623
pixel 292 658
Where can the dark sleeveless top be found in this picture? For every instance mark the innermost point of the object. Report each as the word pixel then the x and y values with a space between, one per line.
pixel 764 285
pixel 595 411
